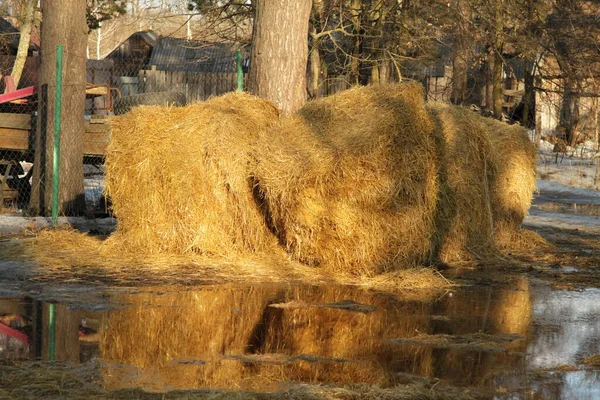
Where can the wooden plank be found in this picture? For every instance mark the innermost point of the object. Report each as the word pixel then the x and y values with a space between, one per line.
pixel 96 137
pixel 96 126
pixel 202 87
pixel 15 121
pixel 213 85
pixel 94 144
pixel 14 139
pixel 97 91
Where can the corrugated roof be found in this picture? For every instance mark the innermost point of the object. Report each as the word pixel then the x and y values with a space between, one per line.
pixel 175 54
pixel 147 36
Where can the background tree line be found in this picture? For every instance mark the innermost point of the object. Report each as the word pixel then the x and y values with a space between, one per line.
pixel 370 41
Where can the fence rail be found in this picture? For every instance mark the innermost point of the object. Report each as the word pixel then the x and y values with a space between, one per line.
pixel 197 86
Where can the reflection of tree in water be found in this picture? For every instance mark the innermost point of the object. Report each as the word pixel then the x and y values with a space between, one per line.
pixel 567 327
pixel 566 331
pixel 228 335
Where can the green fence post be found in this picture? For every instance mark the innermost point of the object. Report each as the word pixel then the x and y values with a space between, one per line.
pixel 51 332
pixel 57 116
pixel 240 71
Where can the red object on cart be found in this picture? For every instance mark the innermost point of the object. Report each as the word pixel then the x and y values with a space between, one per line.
pixel 12 94
pixel 7 330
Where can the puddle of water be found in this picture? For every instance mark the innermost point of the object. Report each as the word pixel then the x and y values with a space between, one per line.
pixel 570 208
pixel 567 269
pixel 254 338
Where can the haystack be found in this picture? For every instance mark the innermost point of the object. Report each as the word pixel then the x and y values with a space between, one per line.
pixel 512 185
pixel 349 183
pixel 179 177
pixel 364 182
pixel 464 224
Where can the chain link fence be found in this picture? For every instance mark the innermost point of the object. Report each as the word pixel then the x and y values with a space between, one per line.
pixel 155 71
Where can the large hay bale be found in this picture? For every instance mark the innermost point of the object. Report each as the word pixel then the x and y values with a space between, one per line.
pixel 464 225
pixel 513 183
pixel 179 177
pixel 350 183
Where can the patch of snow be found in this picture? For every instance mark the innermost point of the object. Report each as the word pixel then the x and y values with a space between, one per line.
pixel 544 186
pixel 569 180
pixel 576 167
pixel 546 219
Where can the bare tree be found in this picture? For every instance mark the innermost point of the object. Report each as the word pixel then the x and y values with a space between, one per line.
pixel 573 57
pixel 27 17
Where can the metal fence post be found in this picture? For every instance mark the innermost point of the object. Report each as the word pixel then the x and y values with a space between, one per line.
pixel 51 332
pixel 57 116
pixel 240 72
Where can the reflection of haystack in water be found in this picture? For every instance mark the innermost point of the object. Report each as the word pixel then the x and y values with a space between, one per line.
pixel 463 218
pixel 349 182
pixel 352 336
pixel 226 336
pixel 178 177
pixel 514 161
pixel 177 342
pixel 487 310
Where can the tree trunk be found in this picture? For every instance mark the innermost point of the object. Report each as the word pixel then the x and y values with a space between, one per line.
pixel 460 56
pixel 528 120
pixel 538 112
pixel 26 21
pixel 497 92
pixel 498 48
pixel 375 78
pixel 459 72
pixel 384 72
pixel 569 113
pixel 355 12
pixel 315 65
pixel 64 24
pixel 279 52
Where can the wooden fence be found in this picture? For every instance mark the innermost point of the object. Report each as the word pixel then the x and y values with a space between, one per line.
pixel 197 86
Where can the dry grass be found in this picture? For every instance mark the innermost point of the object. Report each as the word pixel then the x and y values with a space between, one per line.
pixel 473 342
pixel 65 255
pixel 564 248
pixel 593 361
pixel 487 179
pixel 349 183
pixel 43 381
